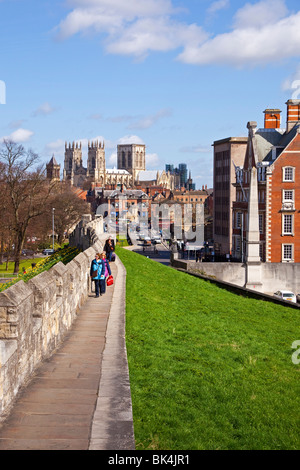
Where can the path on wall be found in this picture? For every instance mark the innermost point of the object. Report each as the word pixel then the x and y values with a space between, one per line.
pixel 80 399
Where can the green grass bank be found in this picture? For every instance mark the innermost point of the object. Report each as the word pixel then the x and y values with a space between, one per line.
pixel 209 369
pixel 36 266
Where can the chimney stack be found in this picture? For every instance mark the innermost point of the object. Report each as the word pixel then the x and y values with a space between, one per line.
pixel 272 118
pixel 293 114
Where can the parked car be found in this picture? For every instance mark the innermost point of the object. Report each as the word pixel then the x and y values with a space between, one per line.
pixel 147 241
pixel 285 295
pixel 298 298
pixel 48 251
pixel 156 239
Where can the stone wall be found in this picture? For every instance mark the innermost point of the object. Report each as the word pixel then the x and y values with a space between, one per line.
pixel 87 232
pixel 273 276
pixel 35 316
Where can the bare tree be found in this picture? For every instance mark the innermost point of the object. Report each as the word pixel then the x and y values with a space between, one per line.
pixel 69 208
pixel 27 190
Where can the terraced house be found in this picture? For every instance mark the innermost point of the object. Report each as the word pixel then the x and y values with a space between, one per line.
pixel 274 154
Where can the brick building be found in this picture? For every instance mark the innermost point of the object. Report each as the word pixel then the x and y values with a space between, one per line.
pixel 275 155
pixel 228 153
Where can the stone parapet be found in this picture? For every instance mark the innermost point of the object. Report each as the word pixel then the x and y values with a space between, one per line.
pixel 35 316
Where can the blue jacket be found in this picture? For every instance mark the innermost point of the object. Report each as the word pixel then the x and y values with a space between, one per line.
pixel 99 266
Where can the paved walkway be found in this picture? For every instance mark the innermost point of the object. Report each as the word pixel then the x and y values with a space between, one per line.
pixel 158 253
pixel 80 398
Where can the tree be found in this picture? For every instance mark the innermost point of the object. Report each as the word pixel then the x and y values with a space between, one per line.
pixel 5 222
pixel 27 190
pixel 69 209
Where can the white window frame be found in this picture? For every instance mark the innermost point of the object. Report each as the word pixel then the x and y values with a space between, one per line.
pixel 284 195
pixel 286 259
pixel 285 170
pixel 284 224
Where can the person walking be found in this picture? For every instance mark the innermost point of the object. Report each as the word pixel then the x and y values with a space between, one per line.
pixel 96 272
pixel 107 272
pixel 109 248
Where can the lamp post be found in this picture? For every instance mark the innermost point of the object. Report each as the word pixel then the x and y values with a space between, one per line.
pixel 53 209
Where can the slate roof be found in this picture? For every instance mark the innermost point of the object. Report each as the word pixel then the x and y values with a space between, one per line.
pixel 266 139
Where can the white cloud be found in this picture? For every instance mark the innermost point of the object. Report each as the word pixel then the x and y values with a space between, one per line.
pixel 259 14
pixel 154 34
pixel 131 139
pixel 217 6
pixel 152 160
pixel 148 121
pixel 16 124
pixel 113 159
pixel 262 32
pixel 108 16
pixel 292 84
pixel 43 110
pixel 272 40
pixel 130 28
pixel 55 147
pixel 20 135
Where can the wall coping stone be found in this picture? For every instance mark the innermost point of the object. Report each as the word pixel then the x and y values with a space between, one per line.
pixel 15 295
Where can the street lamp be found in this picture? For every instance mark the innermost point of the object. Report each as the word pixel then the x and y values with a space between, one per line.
pixel 53 209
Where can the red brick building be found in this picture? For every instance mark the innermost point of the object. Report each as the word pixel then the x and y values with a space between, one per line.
pixel 275 153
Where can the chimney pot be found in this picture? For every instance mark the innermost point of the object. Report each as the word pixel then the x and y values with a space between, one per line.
pixel 293 114
pixel 272 118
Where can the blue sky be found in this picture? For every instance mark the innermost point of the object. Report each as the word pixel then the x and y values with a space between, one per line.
pixel 175 75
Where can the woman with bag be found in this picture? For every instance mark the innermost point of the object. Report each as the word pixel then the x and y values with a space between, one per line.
pixel 96 272
pixel 107 273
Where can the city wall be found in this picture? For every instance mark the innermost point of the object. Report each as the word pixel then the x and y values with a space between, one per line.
pixel 35 316
pixel 273 276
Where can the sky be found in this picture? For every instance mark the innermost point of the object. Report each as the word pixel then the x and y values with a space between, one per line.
pixel 175 75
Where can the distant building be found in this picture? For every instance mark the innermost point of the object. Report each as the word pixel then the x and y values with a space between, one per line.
pixel 181 179
pixel 228 153
pixel 131 170
pixel 132 157
pixel 53 170
pixel 146 179
pixel 124 204
pixel 96 171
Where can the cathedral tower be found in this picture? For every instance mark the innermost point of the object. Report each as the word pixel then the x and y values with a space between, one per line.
pixel 73 162
pixel 132 157
pixel 96 162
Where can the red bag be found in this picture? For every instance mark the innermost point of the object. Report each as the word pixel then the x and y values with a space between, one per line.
pixel 109 281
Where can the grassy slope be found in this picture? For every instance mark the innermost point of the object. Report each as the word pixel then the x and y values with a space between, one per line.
pixel 209 369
